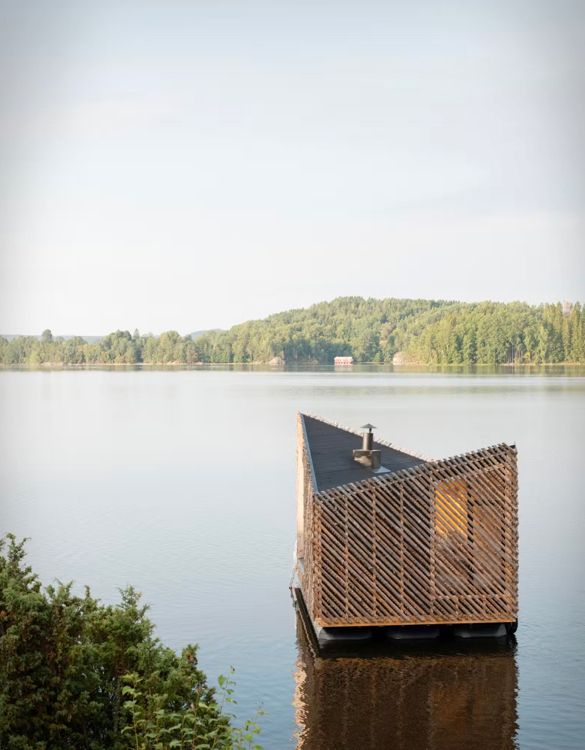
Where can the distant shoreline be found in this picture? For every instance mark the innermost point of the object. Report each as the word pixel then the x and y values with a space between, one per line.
pixel 403 332
pixel 413 366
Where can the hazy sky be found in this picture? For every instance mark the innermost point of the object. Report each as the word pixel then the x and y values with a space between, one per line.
pixel 194 163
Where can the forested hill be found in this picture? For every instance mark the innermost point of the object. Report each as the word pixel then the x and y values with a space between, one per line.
pixel 421 331
pixel 370 330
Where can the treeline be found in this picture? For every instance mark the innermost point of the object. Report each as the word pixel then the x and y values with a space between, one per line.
pixel 370 330
pixel 120 347
pixel 491 333
pixel 422 331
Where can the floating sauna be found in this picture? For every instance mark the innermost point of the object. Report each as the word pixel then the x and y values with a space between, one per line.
pixel 390 540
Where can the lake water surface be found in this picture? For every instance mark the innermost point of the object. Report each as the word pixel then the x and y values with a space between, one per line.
pixel 182 483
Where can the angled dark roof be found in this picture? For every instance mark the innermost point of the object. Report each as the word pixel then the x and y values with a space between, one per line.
pixel 331 449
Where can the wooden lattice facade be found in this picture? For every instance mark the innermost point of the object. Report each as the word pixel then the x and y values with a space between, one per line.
pixel 433 543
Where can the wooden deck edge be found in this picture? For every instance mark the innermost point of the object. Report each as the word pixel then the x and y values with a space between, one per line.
pixel 414 623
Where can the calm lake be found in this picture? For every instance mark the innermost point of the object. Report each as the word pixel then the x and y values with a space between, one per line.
pixel 182 483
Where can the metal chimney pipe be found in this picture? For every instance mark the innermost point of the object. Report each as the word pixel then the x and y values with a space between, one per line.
pixel 365 455
pixel 368 437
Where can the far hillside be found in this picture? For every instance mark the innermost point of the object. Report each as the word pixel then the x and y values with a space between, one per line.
pixel 401 331
pixel 407 330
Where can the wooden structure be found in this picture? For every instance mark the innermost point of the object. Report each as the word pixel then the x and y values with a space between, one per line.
pixel 342 361
pixel 406 541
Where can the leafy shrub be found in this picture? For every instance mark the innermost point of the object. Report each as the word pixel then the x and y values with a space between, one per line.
pixel 75 673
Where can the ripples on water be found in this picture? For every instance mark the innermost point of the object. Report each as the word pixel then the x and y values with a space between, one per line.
pixel 182 483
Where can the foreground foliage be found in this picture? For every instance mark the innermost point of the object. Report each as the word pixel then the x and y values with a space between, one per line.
pixel 78 674
pixel 370 330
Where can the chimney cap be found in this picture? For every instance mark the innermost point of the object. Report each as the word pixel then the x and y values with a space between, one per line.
pixel 368 426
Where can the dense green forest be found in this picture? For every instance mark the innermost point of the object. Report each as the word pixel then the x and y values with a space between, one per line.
pixel 75 673
pixel 370 330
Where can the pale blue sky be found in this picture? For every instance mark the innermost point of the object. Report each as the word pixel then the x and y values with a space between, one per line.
pixel 192 164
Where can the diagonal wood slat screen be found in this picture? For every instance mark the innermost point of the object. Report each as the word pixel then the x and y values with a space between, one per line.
pixel 437 543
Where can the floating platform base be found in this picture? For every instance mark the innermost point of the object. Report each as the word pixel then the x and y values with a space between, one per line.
pixel 325 638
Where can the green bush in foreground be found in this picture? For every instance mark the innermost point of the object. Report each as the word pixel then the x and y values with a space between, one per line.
pixel 78 674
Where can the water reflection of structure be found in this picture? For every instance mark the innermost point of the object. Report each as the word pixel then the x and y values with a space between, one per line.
pixel 407 699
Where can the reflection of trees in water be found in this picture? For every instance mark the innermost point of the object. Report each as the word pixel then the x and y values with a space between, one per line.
pixel 444 700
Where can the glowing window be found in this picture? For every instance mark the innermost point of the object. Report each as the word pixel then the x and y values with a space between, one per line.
pixel 451 508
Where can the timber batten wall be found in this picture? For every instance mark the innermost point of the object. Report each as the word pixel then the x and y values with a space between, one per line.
pixel 433 544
